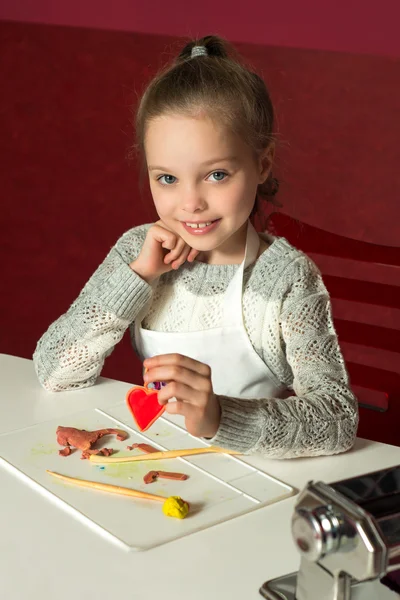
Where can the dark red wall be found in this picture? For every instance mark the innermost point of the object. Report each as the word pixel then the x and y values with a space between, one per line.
pixel 351 25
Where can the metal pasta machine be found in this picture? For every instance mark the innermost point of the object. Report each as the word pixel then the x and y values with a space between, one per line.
pixel 348 536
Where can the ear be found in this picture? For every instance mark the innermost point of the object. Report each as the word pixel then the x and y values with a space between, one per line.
pixel 265 162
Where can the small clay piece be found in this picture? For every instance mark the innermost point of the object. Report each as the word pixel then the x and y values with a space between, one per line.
pixel 102 452
pixel 152 476
pixel 175 507
pixel 85 440
pixel 144 447
pixel 65 451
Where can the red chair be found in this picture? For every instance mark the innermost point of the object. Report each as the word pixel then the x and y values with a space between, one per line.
pixel 377 389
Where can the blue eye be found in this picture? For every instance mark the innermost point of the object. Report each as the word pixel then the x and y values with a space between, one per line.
pixel 218 173
pixel 167 182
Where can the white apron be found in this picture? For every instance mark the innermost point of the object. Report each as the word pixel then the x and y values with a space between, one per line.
pixel 236 368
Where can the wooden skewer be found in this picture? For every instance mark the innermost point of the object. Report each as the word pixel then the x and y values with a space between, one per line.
pixel 106 487
pixel 96 458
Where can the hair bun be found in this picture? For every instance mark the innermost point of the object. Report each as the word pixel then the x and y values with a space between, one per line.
pixel 215 46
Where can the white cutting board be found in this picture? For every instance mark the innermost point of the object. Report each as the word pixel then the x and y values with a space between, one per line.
pixel 220 487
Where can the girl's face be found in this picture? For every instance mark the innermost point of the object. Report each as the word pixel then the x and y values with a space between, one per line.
pixel 202 173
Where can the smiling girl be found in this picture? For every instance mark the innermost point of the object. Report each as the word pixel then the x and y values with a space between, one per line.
pixel 236 324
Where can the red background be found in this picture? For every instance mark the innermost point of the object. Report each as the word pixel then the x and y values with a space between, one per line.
pixel 351 26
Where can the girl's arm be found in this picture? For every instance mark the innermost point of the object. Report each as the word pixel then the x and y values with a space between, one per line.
pixel 71 354
pixel 322 417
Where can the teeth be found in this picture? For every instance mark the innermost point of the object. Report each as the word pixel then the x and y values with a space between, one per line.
pixel 199 226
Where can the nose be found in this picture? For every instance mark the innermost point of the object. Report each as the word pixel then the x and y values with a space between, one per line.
pixel 193 200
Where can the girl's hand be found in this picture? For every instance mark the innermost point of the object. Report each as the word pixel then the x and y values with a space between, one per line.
pixel 189 381
pixel 162 251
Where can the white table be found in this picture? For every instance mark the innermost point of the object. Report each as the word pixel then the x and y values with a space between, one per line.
pixel 46 554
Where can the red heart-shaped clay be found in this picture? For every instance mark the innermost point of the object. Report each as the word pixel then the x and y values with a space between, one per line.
pixel 144 406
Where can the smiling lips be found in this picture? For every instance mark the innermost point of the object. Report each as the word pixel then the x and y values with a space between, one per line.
pixel 200 228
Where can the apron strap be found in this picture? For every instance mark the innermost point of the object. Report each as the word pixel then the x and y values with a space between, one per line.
pixel 233 306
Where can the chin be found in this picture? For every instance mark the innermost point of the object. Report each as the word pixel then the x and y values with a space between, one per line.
pixel 201 245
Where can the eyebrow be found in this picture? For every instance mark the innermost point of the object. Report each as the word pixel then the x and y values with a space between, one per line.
pixel 212 161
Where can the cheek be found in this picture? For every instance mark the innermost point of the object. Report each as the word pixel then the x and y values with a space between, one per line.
pixel 243 194
pixel 163 202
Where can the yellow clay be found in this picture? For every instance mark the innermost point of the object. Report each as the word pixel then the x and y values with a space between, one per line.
pixel 174 506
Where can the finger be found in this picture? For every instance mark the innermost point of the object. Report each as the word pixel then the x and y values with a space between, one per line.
pixel 181 259
pixel 165 401
pixel 181 408
pixel 192 254
pixel 182 393
pixel 165 237
pixel 179 375
pixel 176 251
pixel 179 360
